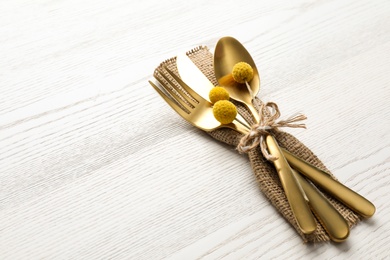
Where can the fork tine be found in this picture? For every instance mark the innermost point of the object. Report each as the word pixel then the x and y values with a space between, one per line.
pixel 187 88
pixel 174 96
pixel 170 102
pixel 183 95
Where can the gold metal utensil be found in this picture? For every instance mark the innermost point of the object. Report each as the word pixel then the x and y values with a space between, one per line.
pixel 191 74
pixel 200 114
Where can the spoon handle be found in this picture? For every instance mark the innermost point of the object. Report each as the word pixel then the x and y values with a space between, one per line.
pixel 351 199
pixel 294 193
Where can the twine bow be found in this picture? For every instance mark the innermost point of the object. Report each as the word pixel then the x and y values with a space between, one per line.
pixel 269 113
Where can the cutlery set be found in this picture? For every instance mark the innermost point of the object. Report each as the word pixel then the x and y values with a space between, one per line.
pixel 187 92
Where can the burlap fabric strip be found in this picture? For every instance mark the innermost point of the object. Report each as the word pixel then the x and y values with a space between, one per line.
pixel 264 170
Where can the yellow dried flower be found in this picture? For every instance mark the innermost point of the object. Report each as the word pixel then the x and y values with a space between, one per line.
pixel 224 111
pixel 218 93
pixel 242 72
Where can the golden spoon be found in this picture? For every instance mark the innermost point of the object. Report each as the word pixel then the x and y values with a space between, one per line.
pixel 228 52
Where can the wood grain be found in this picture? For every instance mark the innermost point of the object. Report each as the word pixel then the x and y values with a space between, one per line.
pixel 93 164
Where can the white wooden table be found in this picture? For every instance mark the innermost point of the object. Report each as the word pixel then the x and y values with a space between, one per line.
pixel 93 164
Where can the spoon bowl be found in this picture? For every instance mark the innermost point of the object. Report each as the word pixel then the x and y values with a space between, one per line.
pixel 228 52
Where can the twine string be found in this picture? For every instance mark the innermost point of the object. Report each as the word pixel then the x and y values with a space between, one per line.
pixel 269 114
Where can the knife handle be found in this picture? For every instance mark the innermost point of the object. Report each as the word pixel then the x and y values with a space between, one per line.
pixel 351 199
pixel 294 193
pixel 332 221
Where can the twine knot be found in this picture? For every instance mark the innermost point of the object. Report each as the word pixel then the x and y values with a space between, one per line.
pixel 269 114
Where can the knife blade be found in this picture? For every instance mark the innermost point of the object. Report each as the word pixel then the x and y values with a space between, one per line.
pixel 192 75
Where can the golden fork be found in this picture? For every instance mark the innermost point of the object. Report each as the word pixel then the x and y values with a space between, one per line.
pixel 198 112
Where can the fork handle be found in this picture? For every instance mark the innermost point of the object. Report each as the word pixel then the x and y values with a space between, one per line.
pixel 350 198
